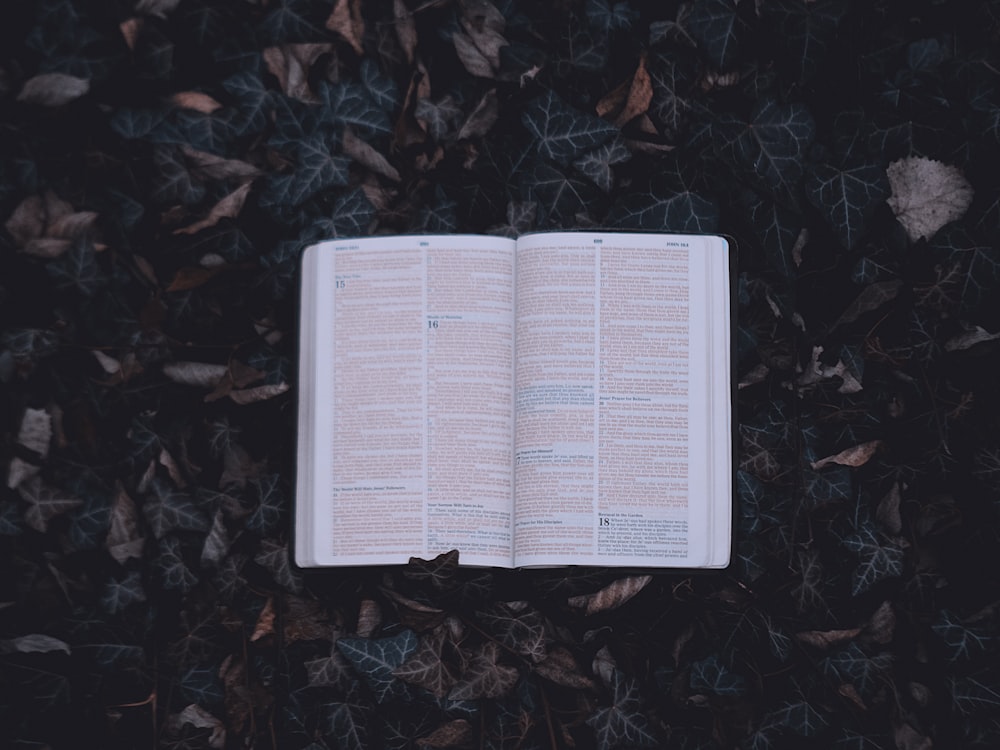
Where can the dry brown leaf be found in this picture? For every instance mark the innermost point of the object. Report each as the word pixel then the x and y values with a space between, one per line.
pixel 306 620
pixel 560 667
pixel 28 220
pixel 238 700
pixel 471 56
pixel 46 247
pixel 369 618
pixel 53 89
pixel 200 374
pixel 455 733
pixel 260 393
pixel 969 339
pixel 826 638
pixel 640 94
pixel 265 621
pixel 482 118
pixel 199 718
pixel 191 278
pixel 484 26
pixel 130 29
pixel 167 461
pixel 908 738
pixel 887 513
pixel 291 64
pixel 882 624
pixel 227 208
pixel 406 28
pixel 611 596
pixel 212 167
pixel 71 225
pixel 195 100
pixel 871 298
pixel 347 21
pixel 365 154
pixel 857 455
pixel 927 194
pixel 850 692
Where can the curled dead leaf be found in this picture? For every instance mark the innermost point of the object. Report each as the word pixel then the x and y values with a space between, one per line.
pixel 260 393
pixel 365 154
pixel 482 118
pixel 969 339
pixel 265 621
pixel 130 29
pixel 213 167
pixel 455 733
pixel 857 455
pixel 406 28
pixel 611 596
pixel 369 618
pixel 200 374
pixel 882 624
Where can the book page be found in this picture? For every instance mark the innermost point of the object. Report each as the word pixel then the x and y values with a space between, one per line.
pixel 413 389
pixel 615 456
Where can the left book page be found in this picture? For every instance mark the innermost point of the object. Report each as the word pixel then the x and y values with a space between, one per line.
pixel 406 372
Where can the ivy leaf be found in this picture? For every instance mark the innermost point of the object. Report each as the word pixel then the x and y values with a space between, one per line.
pixel 347 725
pixel 564 133
pixel 78 269
pixel 719 29
pixel 799 718
pixel 806 30
pixel 978 261
pixel 253 102
pixel 961 641
pixel 173 183
pixel 853 665
pixel 270 504
pixel 681 212
pixel 351 104
pixel 770 147
pixel 117 595
pixel 427 668
pixel 847 197
pixel 439 116
pixel 596 164
pixel 274 557
pixel 289 21
pixel 560 196
pixel 622 723
pixel 972 695
pixel 381 88
pixel 329 671
pixel 174 572
pixel 605 16
pixel 89 522
pixel 316 170
pixel 587 51
pixel 376 660
pixel 45 502
pixel 522 631
pixel 167 509
pixel 876 561
pixel 711 675
pixel 484 677
pixel 672 83
pixel 778 230
pixel 830 485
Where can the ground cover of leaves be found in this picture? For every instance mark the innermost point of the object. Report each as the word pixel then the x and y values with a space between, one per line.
pixel 163 162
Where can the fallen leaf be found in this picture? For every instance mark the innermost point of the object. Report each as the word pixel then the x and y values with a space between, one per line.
pixel 195 100
pixel 227 208
pixel 927 194
pixel 406 28
pixel 969 339
pixel 826 638
pixel 346 20
pixel 53 89
pixel 28 220
pixel 871 298
pixel 369 618
pixel 857 455
pixel 33 643
pixel 908 738
pixel 365 154
pixel 455 733
pixel 265 621
pixel 887 514
pixel 46 247
pixel 630 99
pixel 71 225
pixel 882 624
pixel 191 278
pixel 471 56
pixel 260 393
pixel 130 29
pixel 213 167
pixel 482 118
pixel 195 373
pixel 484 26
pixel 611 596
pixel 561 667
pixel 291 64
pixel 850 692
pixel 45 503
pixel 36 431
pixel 199 718
pixel 123 541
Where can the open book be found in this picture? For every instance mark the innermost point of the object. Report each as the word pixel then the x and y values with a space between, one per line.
pixel 561 399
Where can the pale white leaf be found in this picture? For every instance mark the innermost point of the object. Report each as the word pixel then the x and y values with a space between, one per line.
pixel 969 339
pixel 33 643
pixel 36 431
pixel 53 89
pixel 927 194
pixel 110 365
pixel 195 373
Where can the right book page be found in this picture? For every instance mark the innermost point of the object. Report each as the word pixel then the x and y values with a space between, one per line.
pixel 623 420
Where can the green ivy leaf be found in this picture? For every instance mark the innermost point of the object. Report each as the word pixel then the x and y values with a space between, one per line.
pixel 352 104
pixel 118 595
pixel 376 660
pixel 806 31
pixel 347 725
pixel 562 132
pixel 622 723
pixel 876 561
pixel 45 502
pixel 719 29
pixel 847 197
pixel 167 509
pixel 709 674
pixel 596 164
